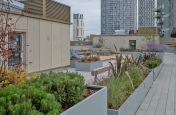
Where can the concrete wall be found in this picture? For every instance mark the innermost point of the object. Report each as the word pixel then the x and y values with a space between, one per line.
pixel 47 43
pixel 122 41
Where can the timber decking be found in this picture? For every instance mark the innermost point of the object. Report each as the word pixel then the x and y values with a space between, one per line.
pixel 161 99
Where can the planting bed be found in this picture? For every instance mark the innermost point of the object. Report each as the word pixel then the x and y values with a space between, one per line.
pixel 52 94
pixel 126 91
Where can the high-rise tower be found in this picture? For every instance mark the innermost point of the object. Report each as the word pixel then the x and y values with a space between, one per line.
pixel 118 15
pixel 146 13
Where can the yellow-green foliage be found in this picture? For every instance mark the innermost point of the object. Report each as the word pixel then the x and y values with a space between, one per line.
pixel 119 88
pixel 17 76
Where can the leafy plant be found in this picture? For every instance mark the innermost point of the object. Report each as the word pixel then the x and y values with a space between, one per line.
pixel 152 63
pixel 122 63
pixel 13 77
pixel 68 88
pixel 15 100
pixel 119 88
pixel 148 56
pixel 47 94
pixel 90 58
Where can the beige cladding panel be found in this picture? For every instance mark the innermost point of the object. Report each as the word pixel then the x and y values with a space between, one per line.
pixel 65 45
pixel 45 45
pixel 56 45
pixel 33 42
pixel 20 22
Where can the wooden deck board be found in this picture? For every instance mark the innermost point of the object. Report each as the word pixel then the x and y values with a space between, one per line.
pixel 171 94
pixel 144 106
pixel 161 99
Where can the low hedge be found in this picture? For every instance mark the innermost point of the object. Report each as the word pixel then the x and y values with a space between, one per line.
pixel 152 63
pixel 48 94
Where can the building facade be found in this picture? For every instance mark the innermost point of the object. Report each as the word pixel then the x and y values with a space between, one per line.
pixel 167 16
pixel 123 41
pixel 78 27
pixel 118 15
pixel 146 13
pixel 43 36
pixel 173 18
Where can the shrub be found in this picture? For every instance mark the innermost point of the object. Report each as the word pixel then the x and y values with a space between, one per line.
pixel 119 88
pixel 68 88
pixel 152 63
pixel 13 77
pixel 15 100
pixel 47 94
pixel 91 58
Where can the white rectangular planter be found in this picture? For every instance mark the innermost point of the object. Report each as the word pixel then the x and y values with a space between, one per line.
pixel 73 63
pixel 96 104
pixel 82 66
pixel 157 70
pixel 131 105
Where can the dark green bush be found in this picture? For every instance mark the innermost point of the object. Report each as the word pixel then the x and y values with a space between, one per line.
pixel 48 94
pixel 152 63
pixel 68 88
pixel 15 100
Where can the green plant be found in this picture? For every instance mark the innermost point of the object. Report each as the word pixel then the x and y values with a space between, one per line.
pixel 68 88
pixel 16 76
pixel 152 63
pixel 122 63
pixel 47 94
pixel 90 58
pixel 148 56
pixel 16 100
pixel 119 88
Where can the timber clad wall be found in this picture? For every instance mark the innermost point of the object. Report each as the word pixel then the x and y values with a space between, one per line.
pixel 34 7
pixel 49 9
pixel 57 11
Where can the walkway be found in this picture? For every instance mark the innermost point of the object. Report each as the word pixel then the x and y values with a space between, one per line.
pixel 161 99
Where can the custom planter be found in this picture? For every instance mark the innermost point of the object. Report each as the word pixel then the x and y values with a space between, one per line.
pixel 131 105
pixel 156 71
pixel 73 63
pixel 82 66
pixel 96 104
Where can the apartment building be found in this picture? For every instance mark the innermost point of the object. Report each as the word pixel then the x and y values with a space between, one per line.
pixel 118 15
pixel 78 27
pixel 166 13
pixel 146 13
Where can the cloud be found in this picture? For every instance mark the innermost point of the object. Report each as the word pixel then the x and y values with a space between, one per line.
pixel 91 11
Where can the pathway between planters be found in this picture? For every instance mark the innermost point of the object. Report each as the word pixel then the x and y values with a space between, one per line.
pixel 161 99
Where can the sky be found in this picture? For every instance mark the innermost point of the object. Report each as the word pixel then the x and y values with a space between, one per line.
pixel 91 11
